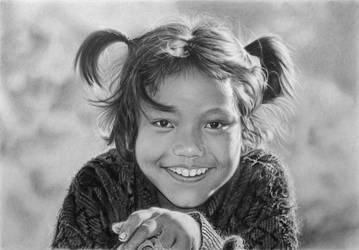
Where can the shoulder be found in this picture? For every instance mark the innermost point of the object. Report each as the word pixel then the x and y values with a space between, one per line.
pixel 261 188
pixel 263 177
pixel 102 170
pixel 268 204
pixel 105 183
pixel 260 157
pixel 264 167
pixel 93 202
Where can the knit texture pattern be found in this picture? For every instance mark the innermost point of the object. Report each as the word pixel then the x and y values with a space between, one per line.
pixel 255 209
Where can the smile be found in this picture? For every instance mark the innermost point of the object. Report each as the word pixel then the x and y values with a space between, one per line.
pixel 186 172
pixel 186 175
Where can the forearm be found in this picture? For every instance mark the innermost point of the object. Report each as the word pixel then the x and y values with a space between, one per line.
pixel 69 237
pixel 81 224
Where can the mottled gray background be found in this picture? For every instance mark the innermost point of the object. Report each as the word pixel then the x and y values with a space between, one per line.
pixel 47 129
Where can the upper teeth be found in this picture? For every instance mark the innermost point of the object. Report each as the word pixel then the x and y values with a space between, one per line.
pixel 187 172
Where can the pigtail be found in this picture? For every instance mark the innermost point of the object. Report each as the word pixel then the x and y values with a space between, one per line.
pixel 276 63
pixel 88 54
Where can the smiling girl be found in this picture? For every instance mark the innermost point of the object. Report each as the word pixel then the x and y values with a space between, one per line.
pixel 189 115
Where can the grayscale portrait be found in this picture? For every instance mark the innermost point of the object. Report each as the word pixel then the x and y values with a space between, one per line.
pixel 183 125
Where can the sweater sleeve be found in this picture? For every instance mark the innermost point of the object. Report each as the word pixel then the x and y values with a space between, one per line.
pixel 83 220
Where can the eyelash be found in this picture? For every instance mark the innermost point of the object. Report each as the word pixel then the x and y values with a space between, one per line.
pixel 220 123
pixel 158 124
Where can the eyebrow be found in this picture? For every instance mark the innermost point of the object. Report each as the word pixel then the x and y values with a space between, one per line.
pixel 174 110
pixel 207 112
pixel 220 111
pixel 171 109
pixel 152 111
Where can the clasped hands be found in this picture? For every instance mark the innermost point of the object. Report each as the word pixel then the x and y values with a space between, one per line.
pixel 158 228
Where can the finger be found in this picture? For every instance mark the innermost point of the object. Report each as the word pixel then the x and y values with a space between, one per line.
pixel 167 235
pixel 116 227
pixel 146 245
pixel 146 230
pixel 132 223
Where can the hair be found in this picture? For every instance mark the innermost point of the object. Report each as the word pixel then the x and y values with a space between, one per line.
pixel 259 72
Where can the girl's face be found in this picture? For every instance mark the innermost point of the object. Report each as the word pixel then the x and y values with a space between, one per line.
pixel 191 152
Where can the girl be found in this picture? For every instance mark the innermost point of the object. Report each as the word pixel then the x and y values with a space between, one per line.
pixel 187 118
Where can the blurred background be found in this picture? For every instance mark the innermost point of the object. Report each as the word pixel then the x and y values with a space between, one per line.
pixel 48 130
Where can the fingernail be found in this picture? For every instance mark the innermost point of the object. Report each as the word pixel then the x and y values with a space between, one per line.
pixel 122 236
pixel 116 227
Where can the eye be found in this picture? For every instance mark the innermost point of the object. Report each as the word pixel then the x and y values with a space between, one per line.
pixel 215 125
pixel 163 124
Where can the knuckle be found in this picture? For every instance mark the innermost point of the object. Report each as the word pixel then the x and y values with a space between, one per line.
pixel 133 218
pixel 153 209
pixel 136 214
pixel 152 223
pixel 165 217
pixel 145 228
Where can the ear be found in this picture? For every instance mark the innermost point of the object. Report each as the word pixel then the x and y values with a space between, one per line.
pixel 277 64
pixel 90 50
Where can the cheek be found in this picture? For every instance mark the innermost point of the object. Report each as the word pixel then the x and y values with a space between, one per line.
pixel 226 148
pixel 149 147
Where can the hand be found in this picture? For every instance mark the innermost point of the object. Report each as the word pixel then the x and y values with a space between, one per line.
pixel 173 230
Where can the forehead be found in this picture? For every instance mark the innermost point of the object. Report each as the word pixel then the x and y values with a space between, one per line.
pixel 195 89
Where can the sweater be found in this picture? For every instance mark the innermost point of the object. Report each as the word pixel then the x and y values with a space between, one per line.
pixel 254 209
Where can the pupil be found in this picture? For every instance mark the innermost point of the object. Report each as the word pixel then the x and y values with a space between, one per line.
pixel 214 124
pixel 163 123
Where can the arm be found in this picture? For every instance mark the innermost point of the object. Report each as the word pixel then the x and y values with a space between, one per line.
pixel 83 220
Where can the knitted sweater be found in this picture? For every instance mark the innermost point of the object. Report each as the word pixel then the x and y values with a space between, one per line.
pixel 255 206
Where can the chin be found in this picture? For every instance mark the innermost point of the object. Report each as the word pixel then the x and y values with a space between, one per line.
pixel 186 205
pixel 187 202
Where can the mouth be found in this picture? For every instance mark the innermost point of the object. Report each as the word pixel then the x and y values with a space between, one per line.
pixel 187 175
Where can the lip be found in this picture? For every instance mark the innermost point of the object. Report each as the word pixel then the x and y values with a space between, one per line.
pixel 189 179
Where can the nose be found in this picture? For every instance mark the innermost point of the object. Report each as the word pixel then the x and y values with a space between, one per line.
pixel 188 143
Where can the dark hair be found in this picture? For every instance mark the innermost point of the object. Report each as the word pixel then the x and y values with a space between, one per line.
pixel 260 72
